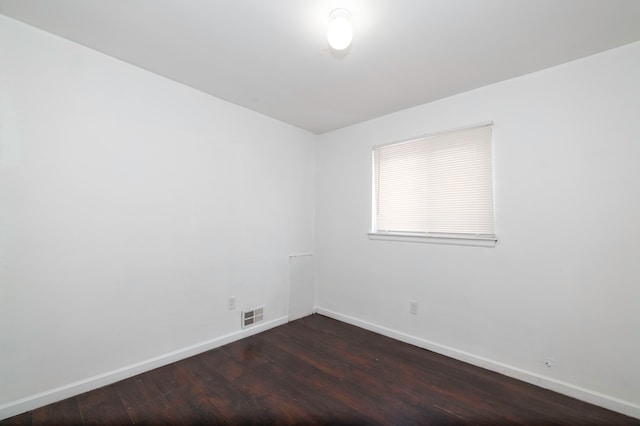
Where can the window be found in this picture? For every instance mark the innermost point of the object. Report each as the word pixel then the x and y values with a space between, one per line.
pixel 438 188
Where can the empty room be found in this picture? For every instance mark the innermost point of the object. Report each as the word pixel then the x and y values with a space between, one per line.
pixel 319 212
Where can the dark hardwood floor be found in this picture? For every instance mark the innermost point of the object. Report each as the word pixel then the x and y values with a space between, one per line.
pixel 320 371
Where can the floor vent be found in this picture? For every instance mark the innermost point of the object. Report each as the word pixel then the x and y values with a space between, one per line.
pixel 252 317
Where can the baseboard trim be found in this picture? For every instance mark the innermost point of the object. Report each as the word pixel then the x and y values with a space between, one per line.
pixel 32 402
pixel 606 401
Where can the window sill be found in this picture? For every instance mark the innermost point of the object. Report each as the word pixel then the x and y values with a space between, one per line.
pixel 433 239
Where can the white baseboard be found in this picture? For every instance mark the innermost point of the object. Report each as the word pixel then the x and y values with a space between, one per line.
pixel 57 394
pixel 612 403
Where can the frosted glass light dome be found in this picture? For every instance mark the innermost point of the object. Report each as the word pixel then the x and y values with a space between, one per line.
pixel 339 33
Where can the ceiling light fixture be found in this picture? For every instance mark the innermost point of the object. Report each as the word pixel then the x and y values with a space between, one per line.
pixel 339 33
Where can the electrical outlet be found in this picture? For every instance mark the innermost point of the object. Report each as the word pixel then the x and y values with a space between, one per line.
pixel 413 308
pixel 232 303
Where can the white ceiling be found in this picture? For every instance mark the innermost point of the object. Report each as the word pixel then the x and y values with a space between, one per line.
pixel 272 56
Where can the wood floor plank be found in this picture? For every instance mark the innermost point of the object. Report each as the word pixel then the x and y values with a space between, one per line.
pixel 358 366
pixel 317 370
pixel 316 386
pixel 191 402
pixel 144 402
pixel 23 419
pixel 102 406
pixel 292 401
pixel 221 399
pixel 370 397
pixel 221 362
pixel 65 412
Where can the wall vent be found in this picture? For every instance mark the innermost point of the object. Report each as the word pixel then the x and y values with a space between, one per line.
pixel 252 317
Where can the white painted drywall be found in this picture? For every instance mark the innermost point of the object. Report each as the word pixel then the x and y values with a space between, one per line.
pixel 131 208
pixel 302 289
pixel 564 279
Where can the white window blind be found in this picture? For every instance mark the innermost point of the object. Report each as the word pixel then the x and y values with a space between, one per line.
pixel 438 185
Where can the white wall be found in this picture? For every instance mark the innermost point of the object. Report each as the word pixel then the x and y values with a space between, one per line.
pixel 564 279
pixel 131 208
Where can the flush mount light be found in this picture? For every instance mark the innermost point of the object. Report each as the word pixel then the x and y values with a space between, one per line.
pixel 339 33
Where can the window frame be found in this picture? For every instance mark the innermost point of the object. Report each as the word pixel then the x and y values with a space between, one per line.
pixel 432 237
